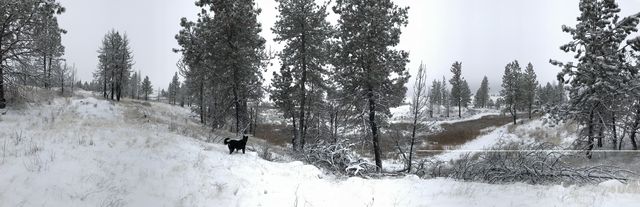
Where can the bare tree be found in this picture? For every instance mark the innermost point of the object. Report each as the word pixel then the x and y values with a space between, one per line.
pixel 419 107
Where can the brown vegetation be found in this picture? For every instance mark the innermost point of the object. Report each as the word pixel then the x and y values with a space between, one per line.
pixel 458 133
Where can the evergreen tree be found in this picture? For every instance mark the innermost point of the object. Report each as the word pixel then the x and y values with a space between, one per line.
pixel 20 20
pixel 147 89
pixel 529 83
pixel 465 94
pixel 174 87
pixel 283 95
pixel 193 65
pixel 48 45
pixel 115 62
pixel 239 54
pixel 481 98
pixel 446 96
pixel 435 95
pixel 367 66
pixel 601 82
pixel 183 92
pixel 511 92
pixel 134 85
pixel 302 26
pixel 456 86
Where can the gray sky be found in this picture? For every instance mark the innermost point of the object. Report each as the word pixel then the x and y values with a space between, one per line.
pixel 483 34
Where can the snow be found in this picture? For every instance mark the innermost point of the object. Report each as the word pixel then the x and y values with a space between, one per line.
pixel 528 131
pixel 480 143
pixel 402 114
pixel 469 118
pixel 84 151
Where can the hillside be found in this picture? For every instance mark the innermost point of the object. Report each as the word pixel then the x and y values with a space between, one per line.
pixel 83 151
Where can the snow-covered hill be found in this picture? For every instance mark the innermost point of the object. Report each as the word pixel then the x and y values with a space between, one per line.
pixel 84 151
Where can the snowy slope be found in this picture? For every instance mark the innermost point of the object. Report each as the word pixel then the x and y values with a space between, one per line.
pixel 527 132
pixel 91 152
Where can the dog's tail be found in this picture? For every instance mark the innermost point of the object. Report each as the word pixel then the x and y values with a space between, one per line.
pixel 226 140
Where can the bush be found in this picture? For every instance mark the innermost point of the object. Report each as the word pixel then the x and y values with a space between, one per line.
pixel 338 158
pixel 538 163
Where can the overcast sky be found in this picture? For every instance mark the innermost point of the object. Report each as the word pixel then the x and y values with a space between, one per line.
pixel 483 34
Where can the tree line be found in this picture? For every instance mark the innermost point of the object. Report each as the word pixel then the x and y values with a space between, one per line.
pixel 114 76
pixel 328 74
pixel 331 77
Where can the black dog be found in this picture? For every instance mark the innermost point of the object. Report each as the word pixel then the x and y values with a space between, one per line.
pixel 236 144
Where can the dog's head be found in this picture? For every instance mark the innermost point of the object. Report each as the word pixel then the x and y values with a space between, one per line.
pixel 245 137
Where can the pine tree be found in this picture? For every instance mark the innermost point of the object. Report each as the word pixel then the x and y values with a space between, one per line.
pixel 435 95
pixel 183 92
pixel 48 44
pixel 20 18
pixel 174 87
pixel 602 77
pixel 134 85
pixel 147 89
pixel 283 94
pixel 456 86
pixel 481 98
pixel 511 92
pixel 302 26
pixel 465 94
pixel 529 83
pixel 367 66
pixel 115 62
pixel 192 66
pixel 239 54
pixel 446 96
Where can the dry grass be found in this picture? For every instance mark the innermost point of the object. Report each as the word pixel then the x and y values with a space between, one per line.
pixel 461 132
pixel 275 134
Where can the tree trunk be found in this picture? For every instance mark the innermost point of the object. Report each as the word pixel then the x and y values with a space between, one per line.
pixel 413 138
pixel 514 114
pixel 600 134
pixel 119 91
pixel 44 70
pixel 237 109
pixel 590 135
pixel 303 90
pixel 2 100
pixel 294 141
pixel 104 84
pixel 49 74
pixel 302 111
pixel 634 129
pixel 201 94
pixel 62 83
pixel 133 88
pixel 119 87
pixel 448 107
pixel 530 108
pixel 613 128
pixel 112 87
pixel 459 108
pixel 374 130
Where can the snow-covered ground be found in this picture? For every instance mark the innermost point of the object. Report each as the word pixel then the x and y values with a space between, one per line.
pixel 84 151
pixel 529 131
